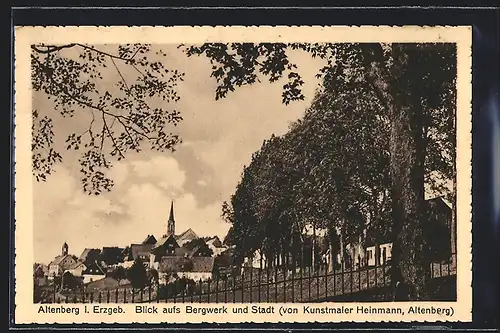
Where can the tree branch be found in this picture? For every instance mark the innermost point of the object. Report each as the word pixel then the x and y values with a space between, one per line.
pixel 51 49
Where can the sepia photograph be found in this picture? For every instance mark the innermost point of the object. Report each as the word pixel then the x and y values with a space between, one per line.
pixel 245 171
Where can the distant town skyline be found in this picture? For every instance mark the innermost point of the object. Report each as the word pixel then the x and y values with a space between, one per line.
pixel 219 138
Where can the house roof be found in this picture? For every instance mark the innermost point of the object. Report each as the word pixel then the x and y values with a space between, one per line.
pixel 41 267
pixel 150 239
pixel 75 265
pixel 195 250
pixel 439 202
pixel 187 235
pixel 135 249
pixel 84 256
pixel 143 253
pixel 93 269
pixel 182 251
pixel 215 241
pixel 163 240
pixel 174 264
pixel 58 260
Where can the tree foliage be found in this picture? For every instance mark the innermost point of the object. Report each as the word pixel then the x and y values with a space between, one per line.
pixel 324 171
pixel 122 116
pixel 137 275
pixel 119 273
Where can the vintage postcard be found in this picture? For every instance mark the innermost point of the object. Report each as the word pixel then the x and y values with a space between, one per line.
pixel 242 174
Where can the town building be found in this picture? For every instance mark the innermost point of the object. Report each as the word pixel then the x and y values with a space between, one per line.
pixel 61 263
pixel 76 269
pixel 93 272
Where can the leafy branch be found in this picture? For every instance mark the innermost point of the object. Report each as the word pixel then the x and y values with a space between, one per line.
pixel 122 118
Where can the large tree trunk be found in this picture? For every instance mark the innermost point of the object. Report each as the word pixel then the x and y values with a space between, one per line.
pixel 406 145
pixel 407 152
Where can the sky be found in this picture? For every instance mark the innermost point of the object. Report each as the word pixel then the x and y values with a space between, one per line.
pixel 219 138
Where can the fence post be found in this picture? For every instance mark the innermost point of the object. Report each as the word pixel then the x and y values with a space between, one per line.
pixel 208 290
pixel 124 295
pixel 217 281
pixel 193 290
pixel 268 263
pixel 233 286
pixel 243 285
pixel 99 297
pixel 92 297
pixel 276 266
pixel 294 267
pixel 309 280
pixel 351 275
pixel 251 278
pixel 107 296
pixel 318 275
pixel 201 290
pixel 301 271
pixel 342 276
pixel 359 277
pixel 334 277
pixel 284 270
pixel 326 280
pixel 225 288
pixel 260 275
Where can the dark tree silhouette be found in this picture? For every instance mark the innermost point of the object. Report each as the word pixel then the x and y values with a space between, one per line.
pixel 137 275
pixel 411 81
pixel 119 273
pixel 69 281
pixel 121 117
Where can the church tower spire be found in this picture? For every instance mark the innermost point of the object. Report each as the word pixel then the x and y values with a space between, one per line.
pixel 64 250
pixel 171 221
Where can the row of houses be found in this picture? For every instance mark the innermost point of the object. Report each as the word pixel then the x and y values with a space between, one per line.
pixel 183 255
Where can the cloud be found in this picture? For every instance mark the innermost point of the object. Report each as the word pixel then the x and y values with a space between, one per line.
pixel 163 168
pixel 135 208
pixel 202 183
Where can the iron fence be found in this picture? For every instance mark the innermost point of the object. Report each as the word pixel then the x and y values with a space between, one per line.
pixel 306 283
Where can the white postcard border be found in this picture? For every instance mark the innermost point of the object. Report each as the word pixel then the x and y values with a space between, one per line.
pixel 27 312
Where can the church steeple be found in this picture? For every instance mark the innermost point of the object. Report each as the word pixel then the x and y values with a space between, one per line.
pixel 171 221
pixel 64 250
